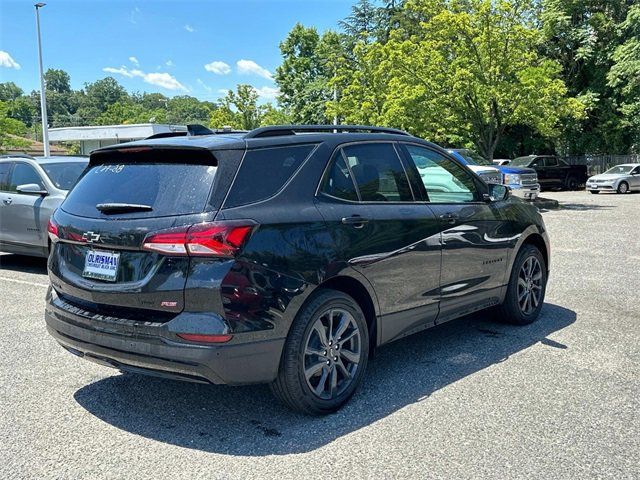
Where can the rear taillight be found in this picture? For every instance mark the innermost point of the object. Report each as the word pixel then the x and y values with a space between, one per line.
pixel 216 239
pixel 52 228
pixel 192 337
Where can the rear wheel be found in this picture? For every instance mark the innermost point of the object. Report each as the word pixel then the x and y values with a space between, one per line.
pixel 325 355
pixel 572 183
pixel 526 288
pixel 623 187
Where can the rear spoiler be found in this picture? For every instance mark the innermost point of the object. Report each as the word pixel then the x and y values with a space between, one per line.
pixel 196 130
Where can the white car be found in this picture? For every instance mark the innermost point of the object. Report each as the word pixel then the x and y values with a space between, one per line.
pixel 621 179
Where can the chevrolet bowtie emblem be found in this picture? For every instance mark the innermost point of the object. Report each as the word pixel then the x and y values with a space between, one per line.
pixel 91 237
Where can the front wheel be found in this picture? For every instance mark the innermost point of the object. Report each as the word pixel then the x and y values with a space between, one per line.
pixel 526 288
pixel 623 187
pixel 325 355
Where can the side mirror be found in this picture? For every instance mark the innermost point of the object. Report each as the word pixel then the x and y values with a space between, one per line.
pixel 497 193
pixel 32 189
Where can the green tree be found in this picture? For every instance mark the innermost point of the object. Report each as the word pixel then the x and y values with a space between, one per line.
pixel 185 109
pixel 624 75
pixel 471 70
pixel 309 63
pixel 57 81
pixel 10 130
pixel 97 96
pixel 270 115
pixel 583 35
pixel 9 91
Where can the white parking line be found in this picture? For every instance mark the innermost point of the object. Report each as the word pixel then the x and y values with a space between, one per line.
pixel 34 284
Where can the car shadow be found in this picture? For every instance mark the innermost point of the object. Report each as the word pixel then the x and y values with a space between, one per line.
pixel 23 263
pixel 250 421
pixel 584 206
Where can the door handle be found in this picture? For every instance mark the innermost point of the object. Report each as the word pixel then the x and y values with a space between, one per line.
pixel 355 220
pixel 449 217
pixel 7 201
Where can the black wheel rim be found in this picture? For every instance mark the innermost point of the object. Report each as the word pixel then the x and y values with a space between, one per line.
pixel 530 285
pixel 332 353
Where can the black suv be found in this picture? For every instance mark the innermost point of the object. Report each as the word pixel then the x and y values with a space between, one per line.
pixel 283 255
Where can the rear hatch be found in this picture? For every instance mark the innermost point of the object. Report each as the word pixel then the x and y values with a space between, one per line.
pixel 98 264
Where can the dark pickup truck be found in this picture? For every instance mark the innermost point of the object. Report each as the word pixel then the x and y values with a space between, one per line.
pixel 553 172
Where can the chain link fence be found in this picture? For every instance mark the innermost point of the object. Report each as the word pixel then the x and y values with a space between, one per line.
pixel 599 163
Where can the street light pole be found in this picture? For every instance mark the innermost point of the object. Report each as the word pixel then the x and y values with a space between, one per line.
pixel 43 96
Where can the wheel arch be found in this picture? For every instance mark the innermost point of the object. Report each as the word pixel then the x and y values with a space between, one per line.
pixel 364 297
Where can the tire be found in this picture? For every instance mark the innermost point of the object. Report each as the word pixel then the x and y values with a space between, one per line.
pixel 595 192
pixel 534 286
pixel 623 188
pixel 572 183
pixel 318 393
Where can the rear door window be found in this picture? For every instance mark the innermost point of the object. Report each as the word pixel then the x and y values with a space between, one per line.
pixel 339 183
pixel 168 188
pixel 264 172
pixel 378 172
pixel 63 175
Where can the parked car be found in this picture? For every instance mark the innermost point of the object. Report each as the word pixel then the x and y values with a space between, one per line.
pixel 553 172
pixel 284 255
pixel 501 161
pixel 30 190
pixel 488 172
pixel 522 181
pixel 621 179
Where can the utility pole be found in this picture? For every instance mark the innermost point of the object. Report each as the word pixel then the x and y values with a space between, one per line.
pixel 43 95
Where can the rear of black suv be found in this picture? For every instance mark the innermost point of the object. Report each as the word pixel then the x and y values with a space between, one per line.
pixel 146 276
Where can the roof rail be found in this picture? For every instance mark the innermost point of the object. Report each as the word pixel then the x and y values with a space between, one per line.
pixel 282 130
pixel 19 155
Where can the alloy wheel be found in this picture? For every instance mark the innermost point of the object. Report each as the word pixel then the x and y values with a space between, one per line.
pixel 530 285
pixel 332 353
pixel 623 187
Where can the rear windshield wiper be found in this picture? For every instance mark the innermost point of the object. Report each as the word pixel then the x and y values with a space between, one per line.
pixel 122 207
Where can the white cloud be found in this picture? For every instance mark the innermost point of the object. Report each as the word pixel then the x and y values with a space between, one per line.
pixel 204 85
pixel 169 63
pixel 134 60
pixel 268 93
pixel 218 67
pixel 163 80
pixel 133 15
pixel 7 61
pixel 250 67
pixel 189 28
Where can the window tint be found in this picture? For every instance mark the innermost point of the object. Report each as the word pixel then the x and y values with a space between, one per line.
pixel 445 180
pixel 23 174
pixel 170 189
pixel 378 173
pixel 5 168
pixel 339 183
pixel 264 172
pixel 64 175
pixel 550 162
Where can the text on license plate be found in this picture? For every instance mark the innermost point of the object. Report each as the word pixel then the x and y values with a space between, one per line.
pixel 101 265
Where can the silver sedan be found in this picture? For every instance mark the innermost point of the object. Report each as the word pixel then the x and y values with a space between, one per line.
pixel 621 178
pixel 30 190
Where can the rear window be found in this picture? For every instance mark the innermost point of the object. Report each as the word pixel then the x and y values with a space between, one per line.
pixel 64 175
pixel 168 188
pixel 264 172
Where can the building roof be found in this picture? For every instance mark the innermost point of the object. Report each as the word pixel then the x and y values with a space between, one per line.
pixel 111 132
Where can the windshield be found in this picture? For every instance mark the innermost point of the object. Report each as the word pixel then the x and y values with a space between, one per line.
pixel 473 158
pixel 520 162
pixel 64 174
pixel 619 170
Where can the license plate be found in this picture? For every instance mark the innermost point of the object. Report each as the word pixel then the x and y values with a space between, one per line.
pixel 595 187
pixel 101 265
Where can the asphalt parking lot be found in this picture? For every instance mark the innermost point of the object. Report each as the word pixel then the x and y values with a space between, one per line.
pixel 470 399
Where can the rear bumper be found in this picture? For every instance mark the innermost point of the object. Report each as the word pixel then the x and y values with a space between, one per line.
pixel 147 348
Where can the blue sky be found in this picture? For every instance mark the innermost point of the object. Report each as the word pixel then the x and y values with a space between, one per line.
pixel 199 48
